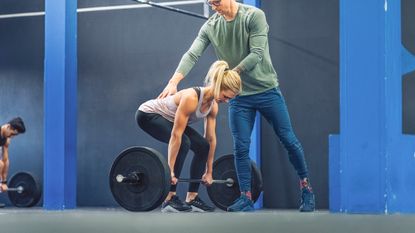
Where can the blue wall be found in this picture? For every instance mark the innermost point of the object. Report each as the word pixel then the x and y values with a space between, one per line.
pixel 371 160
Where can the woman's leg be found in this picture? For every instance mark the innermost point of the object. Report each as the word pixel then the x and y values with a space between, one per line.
pixel 200 146
pixel 160 128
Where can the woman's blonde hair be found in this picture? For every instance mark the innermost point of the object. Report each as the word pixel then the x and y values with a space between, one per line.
pixel 222 79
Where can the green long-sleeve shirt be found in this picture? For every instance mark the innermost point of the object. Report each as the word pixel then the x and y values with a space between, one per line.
pixel 242 42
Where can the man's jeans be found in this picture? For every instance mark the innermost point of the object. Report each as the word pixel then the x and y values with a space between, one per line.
pixel 242 112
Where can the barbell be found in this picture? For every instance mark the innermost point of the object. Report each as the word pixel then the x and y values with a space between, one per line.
pixel 134 177
pixel 140 180
pixel 24 190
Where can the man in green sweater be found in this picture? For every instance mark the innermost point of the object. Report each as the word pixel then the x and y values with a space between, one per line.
pixel 239 35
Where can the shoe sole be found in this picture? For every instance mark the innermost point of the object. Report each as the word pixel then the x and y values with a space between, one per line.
pixel 199 210
pixel 307 210
pixel 248 209
pixel 231 209
pixel 169 209
pixel 302 209
pixel 245 209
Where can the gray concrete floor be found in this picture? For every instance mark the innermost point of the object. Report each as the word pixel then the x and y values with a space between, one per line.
pixel 103 220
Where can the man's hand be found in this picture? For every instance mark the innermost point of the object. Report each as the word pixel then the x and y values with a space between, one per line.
pixel 170 89
pixel 237 69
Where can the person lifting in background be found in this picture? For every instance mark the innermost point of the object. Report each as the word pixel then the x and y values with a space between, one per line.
pixel 12 128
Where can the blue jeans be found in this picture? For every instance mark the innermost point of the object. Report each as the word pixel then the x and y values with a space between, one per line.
pixel 242 112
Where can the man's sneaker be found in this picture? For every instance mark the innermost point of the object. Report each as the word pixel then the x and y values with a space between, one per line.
pixel 307 200
pixel 199 206
pixel 175 205
pixel 243 203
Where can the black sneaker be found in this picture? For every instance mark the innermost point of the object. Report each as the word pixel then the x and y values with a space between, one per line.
pixel 2 205
pixel 199 206
pixel 175 205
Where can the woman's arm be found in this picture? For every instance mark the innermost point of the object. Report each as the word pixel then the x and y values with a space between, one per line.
pixel 5 165
pixel 210 135
pixel 187 105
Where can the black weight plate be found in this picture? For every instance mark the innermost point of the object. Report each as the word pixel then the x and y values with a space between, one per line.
pixel 221 194
pixel 32 190
pixel 154 183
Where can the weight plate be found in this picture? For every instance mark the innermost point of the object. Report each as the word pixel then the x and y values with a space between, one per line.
pixel 154 184
pixel 222 195
pixel 32 190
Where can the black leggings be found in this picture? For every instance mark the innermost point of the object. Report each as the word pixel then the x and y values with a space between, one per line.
pixel 160 129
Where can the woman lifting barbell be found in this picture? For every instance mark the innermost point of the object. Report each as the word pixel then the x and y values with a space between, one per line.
pixel 167 120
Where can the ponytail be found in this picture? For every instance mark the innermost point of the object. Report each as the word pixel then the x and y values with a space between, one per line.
pixel 222 78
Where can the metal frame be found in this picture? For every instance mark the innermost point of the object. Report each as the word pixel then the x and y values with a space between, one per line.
pixel 111 8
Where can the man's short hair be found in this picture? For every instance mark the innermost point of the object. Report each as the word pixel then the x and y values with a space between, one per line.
pixel 17 124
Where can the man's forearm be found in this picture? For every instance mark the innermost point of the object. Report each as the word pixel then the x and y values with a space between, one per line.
pixel 253 58
pixel 190 58
pixel 4 170
pixel 177 77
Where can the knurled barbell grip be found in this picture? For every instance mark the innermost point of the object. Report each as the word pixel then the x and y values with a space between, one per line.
pixel 134 178
pixel 227 181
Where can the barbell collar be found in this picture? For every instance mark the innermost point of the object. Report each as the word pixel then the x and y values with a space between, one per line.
pixel 131 178
pixel 18 189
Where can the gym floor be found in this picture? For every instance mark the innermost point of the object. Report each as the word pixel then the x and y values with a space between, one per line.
pixel 103 220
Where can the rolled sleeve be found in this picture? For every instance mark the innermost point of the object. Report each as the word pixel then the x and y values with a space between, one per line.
pixel 258 39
